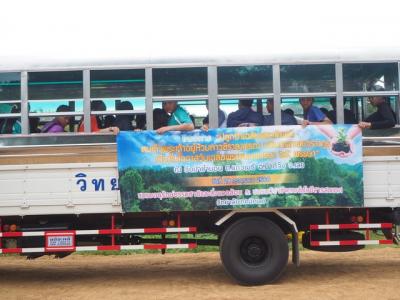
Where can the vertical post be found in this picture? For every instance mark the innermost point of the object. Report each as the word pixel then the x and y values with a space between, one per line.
pixel 179 226
pixel 276 81
pixel 328 232
pixel 367 221
pixel 398 95
pixel 339 94
pixel 148 81
pixel 112 228
pixel 212 82
pixel 24 103
pixel 86 101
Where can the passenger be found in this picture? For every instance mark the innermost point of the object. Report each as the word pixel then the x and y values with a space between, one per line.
pixel 287 119
pixel 324 111
pixel 383 118
pixel 58 124
pixel 245 116
pixel 96 122
pixel 312 114
pixel 10 125
pixel 124 122
pixel 289 111
pixel 141 121
pixel 349 117
pixel 34 125
pixel 179 118
pixel 160 118
pixel 221 120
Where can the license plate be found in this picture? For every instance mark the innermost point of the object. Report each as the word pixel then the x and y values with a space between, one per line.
pixel 56 241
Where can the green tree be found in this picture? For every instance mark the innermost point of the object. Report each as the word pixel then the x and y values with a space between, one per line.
pixel 131 183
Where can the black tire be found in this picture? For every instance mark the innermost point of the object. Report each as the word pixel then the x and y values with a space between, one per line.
pixel 254 251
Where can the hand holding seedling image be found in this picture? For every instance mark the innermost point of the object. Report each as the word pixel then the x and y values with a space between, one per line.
pixel 341 143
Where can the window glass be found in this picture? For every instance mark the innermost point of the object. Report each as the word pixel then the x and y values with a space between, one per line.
pixel 10 86
pixel 197 110
pixel 55 85
pixel 362 108
pixel 362 77
pixel 293 104
pixel 307 78
pixel 245 80
pixel 117 83
pixel 180 81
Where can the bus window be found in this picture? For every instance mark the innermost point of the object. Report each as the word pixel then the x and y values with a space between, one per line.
pixel 180 82
pixel 229 106
pixel 197 110
pixel 117 83
pixel 362 77
pixel 245 80
pixel 43 112
pixel 124 113
pixel 362 108
pixel 307 78
pixel 10 87
pixel 55 85
pixel 292 106
pixel 10 103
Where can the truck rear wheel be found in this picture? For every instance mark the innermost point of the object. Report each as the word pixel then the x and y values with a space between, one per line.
pixel 254 251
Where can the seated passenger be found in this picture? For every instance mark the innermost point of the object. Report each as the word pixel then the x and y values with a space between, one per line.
pixel 10 125
pixel 286 119
pixel 221 120
pixel 96 122
pixel 349 117
pixel 140 122
pixel 124 122
pixel 244 116
pixel 59 122
pixel 383 118
pixel 160 118
pixel 179 118
pixel 312 114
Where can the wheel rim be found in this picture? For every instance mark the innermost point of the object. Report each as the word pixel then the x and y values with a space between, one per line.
pixel 253 250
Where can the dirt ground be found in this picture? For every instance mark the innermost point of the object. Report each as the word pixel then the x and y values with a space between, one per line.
pixel 366 274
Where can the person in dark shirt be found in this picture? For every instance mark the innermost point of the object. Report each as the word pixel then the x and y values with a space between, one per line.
pixel 287 119
pixel 124 122
pixel 245 116
pixel 349 117
pixel 383 118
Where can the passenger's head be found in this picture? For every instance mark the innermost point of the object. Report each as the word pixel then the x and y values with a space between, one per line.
pixel 97 105
pixel 160 118
pixel 377 100
pixel 270 105
pixel 324 110
pixel 63 120
pixel 140 121
pixel 245 103
pixel 125 105
pixel 289 111
pixel 306 102
pixel 170 106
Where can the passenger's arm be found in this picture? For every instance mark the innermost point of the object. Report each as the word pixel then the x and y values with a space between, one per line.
pixel 325 121
pixel 181 127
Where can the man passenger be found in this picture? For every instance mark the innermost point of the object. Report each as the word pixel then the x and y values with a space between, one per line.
pixel 245 115
pixel 179 118
pixel 384 117
pixel 312 114
pixel 286 118
pixel 349 117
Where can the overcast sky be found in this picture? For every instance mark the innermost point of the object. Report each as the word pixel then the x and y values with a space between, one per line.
pixel 86 29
